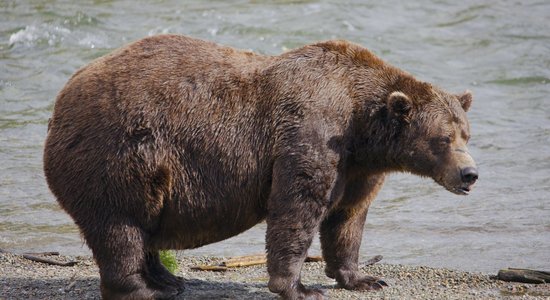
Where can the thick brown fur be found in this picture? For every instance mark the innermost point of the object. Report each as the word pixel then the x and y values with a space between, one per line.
pixel 174 143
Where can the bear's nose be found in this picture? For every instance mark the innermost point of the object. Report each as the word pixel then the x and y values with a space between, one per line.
pixel 469 175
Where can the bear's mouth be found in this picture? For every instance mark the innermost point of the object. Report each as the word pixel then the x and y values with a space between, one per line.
pixel 462 190
pixel 457 190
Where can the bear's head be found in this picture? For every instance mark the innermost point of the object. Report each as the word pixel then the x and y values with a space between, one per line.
pixel 432 136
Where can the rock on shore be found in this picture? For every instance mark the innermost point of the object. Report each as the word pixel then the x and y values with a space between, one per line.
pixel 24 279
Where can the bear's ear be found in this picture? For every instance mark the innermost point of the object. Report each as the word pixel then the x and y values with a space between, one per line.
pixel 465 100
pixel 399 105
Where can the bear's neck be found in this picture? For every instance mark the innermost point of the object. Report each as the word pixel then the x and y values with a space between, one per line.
pixel 372 142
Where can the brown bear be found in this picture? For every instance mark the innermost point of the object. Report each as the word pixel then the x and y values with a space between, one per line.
pixel 173 143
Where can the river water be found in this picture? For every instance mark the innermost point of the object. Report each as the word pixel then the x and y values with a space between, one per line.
pixel 498 49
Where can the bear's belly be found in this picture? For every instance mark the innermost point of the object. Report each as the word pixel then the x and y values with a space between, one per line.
pixel 192 227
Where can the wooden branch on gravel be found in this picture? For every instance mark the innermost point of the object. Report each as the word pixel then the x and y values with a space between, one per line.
pixel 244 261
pixel 209 268
pixel 523 275
pixel 259 259
pixel 33 256
pixel 49 261
pixel 51 253
pixel 314 258
pixel 373 260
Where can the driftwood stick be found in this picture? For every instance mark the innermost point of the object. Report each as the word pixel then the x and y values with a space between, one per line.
pixel 257 259
pixel 244 261
pixel 373 260
pixel 315 258
pixel 49 261
pixel 53 253
pixel 523 275
pixel 209 268
pixel 33 256
pixel 72 283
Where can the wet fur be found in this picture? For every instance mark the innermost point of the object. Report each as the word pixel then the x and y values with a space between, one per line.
pixel 173 142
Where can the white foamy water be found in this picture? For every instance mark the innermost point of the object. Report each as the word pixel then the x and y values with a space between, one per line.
pixel 32 35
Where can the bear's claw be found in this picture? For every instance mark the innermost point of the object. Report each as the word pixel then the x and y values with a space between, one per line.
pixel 382 282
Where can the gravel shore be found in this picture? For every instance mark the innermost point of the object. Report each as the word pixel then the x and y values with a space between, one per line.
pixel 24 279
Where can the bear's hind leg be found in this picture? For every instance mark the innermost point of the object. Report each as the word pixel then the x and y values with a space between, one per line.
pixel 119 251
pixel 159 276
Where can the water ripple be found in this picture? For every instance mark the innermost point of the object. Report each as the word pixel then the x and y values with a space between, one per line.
pixel 529 80
pixel 32 35
pixel 456 22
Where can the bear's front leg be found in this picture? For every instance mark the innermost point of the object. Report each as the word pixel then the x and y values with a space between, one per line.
pixel 341 234
pixel 296 206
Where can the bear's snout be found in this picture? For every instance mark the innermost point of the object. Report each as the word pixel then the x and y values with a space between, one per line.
pixel 469 175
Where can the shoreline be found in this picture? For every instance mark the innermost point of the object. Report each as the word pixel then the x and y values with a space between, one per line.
pixel 21 278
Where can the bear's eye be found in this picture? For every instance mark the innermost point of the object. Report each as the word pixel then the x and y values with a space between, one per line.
pixel 440 144
pixel 444 141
